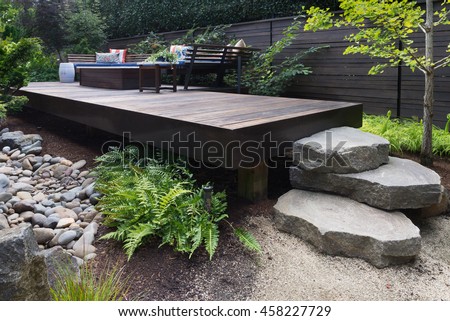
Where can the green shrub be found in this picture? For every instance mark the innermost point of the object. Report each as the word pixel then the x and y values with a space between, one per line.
pixel 158 199
pixel 44 68
pixel 109 285
pixel 263 77
pixel 212 35
pixel 405 134
pixel 152 44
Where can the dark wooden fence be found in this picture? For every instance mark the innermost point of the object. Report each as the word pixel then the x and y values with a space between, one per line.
pixel 345 78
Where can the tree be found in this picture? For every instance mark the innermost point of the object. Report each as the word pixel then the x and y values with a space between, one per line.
pixel 14 61
pixel 381 27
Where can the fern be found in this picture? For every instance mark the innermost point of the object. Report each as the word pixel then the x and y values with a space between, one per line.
pixel 136 237
pixel 211 239
pixel 248 240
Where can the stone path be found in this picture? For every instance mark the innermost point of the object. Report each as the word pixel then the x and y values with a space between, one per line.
pixel 356 165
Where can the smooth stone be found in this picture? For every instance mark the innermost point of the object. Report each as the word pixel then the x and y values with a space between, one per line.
pixel 71 205
pixel 27 216
pixel 52 221
pixel 55 160
pixel 89 216
pixel 79 164
pixel 43 235
pixel 90 256
pixel 35 148
pixel 77 210
pixel 22 187
pixel 83 251
pixel 59 171
pixel 7 170
pixel 3 222
pixel 54 241
pixel 49 211
pixel 39 197
pixel 66 162
pixel 13 217
pixel 4 183
pixel 15 155
pixel 65 213
pixel 84 224
pixel 38 208
pixel 90 189
pixel 24 195
pixel 337 225
pixel 400 184
pixel 6 149
pixel 66 237
pixel 27 173
pixel 26 165
pixel 23 206
pixel 69 246
pixel 68 196
pixel 94 198
pixel 91 228
pixel 5 197
pixel 38 219
pixel 47 203
pixel 65 222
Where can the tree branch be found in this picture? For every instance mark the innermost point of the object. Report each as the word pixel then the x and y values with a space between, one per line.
pixel 442 62
pixel 422 28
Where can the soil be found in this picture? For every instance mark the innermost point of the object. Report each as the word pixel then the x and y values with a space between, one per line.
pixel 288 268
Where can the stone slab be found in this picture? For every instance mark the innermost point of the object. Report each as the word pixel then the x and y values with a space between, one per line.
pixel 340 226
pixel 341 150
pixel 400 184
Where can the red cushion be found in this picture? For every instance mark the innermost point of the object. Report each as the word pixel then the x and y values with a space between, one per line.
pixel 122 54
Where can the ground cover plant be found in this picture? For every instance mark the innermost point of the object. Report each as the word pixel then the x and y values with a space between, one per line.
pixel 405 134
pixel 108 285
pixel 149 197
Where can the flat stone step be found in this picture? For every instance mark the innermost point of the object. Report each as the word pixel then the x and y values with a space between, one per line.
pixel 340 226
pixel 400 184
pixel 341 150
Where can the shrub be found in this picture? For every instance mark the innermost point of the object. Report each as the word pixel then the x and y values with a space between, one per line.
pixel 44 68
pixel 212 35
pixel 15 58
pixel 152 44
pixel 263 77
pixel 145 198
pixel 405 134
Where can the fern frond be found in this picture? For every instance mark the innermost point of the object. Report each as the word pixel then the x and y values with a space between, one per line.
pixel 247 239
pixel 211 238
pixel 136 237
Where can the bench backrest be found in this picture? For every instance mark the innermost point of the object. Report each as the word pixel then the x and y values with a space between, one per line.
pixel 90 58
pixel 218 54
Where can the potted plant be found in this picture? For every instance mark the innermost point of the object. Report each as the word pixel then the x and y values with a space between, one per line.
pixel 163 56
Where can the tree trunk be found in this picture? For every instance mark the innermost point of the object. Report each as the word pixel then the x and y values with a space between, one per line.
pixel 426 153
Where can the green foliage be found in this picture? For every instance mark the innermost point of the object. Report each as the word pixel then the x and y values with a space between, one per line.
pixel 212 35
pixel 263 77
pixel 50 24
pixel 44 68
pixel 163 55
pixel 129 18
pixel 380 26
pixel 109 285
pixel 15 61
pixel 86 30
pixel 405 134
pixel 156 199
pixel 152 44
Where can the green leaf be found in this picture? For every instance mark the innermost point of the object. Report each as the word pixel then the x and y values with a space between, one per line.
pixel 248 240
pixel 211 239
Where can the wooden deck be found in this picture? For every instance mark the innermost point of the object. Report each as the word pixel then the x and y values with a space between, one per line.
pixel 219 128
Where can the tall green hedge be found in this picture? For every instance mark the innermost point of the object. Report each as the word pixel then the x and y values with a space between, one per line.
pixel 134 17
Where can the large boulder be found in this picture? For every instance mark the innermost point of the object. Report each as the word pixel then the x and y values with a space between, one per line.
pixel 23 274
pixel 400 184
pixel 59 263
pixel 341 150
pixel 340 226
pixel 17 139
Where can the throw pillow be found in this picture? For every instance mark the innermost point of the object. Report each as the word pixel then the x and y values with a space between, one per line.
pixel 122 54
pixel 180 51
pixel 112 57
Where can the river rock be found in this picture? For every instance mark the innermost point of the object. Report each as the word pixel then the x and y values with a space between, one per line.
pixel 3 222
pixel 400 184
pixel 23 206
pixel 67 237
pixel 341 150
pixel 340 226
pixel 5 197
pixel 65 222
pixel 68 196
pixel 4 183
pixel 23 273
pixel 52 221
pixel 43 235
pixel 79 164
pixel 38 219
